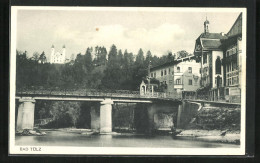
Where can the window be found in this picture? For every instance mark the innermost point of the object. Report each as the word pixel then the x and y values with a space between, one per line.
pixel 161 72
pixel 205 58
pixel 218 65
pixel 178 81
pixel 169 71
pixel 227 53
pixel 190 69
pixel 165 72
pixel 178 69
pixel 227 91
pixel 235 65
pixel 152 75
pixel 234 50
pixel 190 82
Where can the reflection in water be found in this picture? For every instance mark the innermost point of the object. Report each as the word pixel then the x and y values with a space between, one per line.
pixel 64 138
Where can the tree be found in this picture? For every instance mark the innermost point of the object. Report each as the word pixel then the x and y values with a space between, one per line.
pixel 148 57
pixel 182 54
pixel 120 58
pixel 112 55
pixel 35 56
pixel 139 58
pixel 42 58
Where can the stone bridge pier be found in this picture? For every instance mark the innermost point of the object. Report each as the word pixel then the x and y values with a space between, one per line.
pixel 165 108
pixel 106 116
pixel 25 117
pixel 100 120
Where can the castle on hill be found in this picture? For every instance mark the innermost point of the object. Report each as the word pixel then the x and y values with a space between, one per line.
pixel 58 57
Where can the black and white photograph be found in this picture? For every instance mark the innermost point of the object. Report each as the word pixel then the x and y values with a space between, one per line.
pixel 127 81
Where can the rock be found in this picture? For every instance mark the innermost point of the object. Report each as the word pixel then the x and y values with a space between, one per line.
pixel 32 132
pixel 223 133
pixel 87 133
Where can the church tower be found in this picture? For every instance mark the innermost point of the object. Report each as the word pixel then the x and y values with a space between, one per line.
pixel 206 26
pixel 63 53
pixel 52 53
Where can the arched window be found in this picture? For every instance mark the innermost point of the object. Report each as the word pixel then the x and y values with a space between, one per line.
pixel 218 65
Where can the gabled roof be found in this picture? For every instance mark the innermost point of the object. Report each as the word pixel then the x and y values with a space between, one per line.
pixel 172 62
pixel 211 44
pixel 213 36
pixel 230 41
pixel 211 41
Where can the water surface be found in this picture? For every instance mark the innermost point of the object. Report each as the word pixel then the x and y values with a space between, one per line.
pixel 65 138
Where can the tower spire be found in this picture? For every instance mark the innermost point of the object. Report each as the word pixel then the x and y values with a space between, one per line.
pixel 206 25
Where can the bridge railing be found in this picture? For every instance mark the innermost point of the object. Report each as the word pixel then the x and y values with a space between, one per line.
pixel 93 92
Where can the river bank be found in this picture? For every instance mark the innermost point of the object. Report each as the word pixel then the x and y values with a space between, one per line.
pixel 218 136
pixel 232 137
pixel 84 138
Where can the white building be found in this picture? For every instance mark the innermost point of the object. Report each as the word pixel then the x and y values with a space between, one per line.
pixel 181 75
pixel 58 57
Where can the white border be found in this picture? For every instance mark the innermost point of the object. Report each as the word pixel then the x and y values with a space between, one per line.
pixel 13 149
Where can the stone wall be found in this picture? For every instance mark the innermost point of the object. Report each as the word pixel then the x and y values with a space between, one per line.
pixel 216 118
pixel 186 112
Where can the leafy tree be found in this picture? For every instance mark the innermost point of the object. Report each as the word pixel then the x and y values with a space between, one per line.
pixel 35 56
pixel 42 58
pixel 182 54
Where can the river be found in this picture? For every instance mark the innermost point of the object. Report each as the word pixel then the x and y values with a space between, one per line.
pixel 65 138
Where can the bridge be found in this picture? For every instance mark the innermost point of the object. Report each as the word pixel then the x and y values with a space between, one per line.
pixel 106 98
pixel 158 101
pixel 122 96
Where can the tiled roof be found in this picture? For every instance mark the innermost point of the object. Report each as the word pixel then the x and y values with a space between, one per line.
pixel 172 62
pixel 213 36
pixel 211 40
pixel 211 44
pixel 230 41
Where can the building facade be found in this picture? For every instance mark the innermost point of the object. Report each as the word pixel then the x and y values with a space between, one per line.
pixel 178 76
pixel 220 57
pixel 58 57
pixel 232 62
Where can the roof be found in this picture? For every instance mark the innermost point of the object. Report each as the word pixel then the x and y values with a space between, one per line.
pixel 211 41
pixel 163 65
pixel 211 44
pixel 230 41
pixel 172 62
pixel 206 22
pixel 239 18
pixel 213 36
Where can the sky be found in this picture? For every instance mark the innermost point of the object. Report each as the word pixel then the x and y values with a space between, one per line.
pixel 159 32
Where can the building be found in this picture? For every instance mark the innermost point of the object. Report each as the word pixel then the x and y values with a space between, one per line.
pixel 178 76
pixel 232 62
pixel 58 57
pixel 219 54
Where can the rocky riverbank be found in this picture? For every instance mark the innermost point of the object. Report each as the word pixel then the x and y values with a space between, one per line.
pixel 212 135
pixel 29 132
